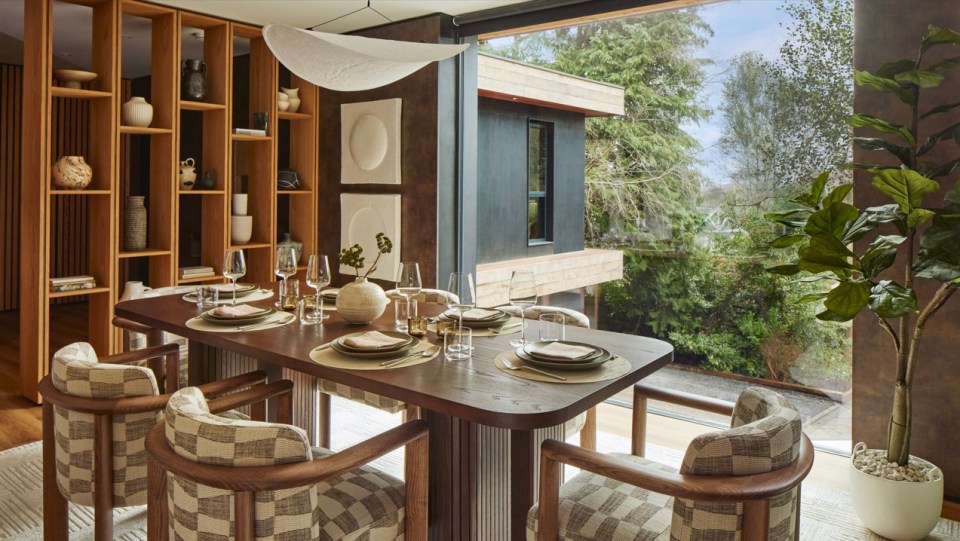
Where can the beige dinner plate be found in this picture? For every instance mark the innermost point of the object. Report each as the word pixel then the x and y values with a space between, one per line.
pixel 392 334
pixel 210 317
pixel 330 294
pixel 563 365
pixel 532 349
pixel 375 354
pixel 478 323
pixel 242 289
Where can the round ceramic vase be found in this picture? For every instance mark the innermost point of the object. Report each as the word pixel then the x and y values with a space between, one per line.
pixel 137 112
pixel 360 302
pixel 72 173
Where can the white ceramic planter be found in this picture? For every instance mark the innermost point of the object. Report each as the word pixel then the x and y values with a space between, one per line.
pixel 898 510
pixel 241 229
pixel 137 112
pixel 361 301
pixel 239 204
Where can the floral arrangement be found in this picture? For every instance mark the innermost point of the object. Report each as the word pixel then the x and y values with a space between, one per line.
pixel 353 256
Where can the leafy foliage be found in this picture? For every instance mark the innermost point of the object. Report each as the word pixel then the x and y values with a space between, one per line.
pixel 353 256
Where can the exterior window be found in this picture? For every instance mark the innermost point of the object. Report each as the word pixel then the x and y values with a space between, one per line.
pixel 539 181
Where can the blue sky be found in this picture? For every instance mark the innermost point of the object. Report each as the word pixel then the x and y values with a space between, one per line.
pixel 739 26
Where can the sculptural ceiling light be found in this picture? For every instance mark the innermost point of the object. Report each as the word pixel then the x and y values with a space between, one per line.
pixel 348 63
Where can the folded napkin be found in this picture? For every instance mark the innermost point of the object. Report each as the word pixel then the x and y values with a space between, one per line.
pixel 239 310
pixel 480 314
pixel 560 350
pixel 372 340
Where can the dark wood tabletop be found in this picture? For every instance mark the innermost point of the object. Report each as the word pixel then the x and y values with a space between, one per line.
pixel 474 390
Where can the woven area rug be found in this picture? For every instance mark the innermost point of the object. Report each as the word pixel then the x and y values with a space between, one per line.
pixel 827 514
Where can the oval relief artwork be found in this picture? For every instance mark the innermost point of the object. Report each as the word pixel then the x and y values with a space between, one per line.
pixel 368 142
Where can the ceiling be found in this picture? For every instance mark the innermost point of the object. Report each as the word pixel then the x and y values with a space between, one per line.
pixel 71 23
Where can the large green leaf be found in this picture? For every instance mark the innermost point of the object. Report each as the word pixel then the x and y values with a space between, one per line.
pixel 937 170
pixel 812 297
pixel 947 63
pixel 890 299
pixel 838 194
pixel 905 186
pixel 883 84
pixel 832 220
pixel 880 254
pixel 952 131
pixel 891 69
pixel 939 256
pixel 787 241
pixel 859 120
pixel 785 270
pixel 875 143
pixel 789 218
pixel 918 217
pixel 812 198
pixel 939 36
pixel 921 78
pixel 847 299
pixel 941 109
pixel 873 217
pixel 825 253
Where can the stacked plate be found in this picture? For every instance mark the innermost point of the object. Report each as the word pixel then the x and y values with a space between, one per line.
pixel 534 354
pixel 330 294
pixel 211 316
pixel 399 349
pixel 497 320
pixel 226 291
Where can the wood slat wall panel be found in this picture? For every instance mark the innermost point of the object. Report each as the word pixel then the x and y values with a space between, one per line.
pixel 11 103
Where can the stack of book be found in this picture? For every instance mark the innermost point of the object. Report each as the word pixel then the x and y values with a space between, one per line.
pixel 72 283
pixel 247 131
pixel 189 273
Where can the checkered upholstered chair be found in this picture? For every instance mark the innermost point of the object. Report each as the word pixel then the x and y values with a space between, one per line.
pixel 245 480
pixel 96 414
pixel 741 483
pixel 331 388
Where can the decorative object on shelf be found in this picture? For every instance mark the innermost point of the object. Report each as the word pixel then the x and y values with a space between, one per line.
pixel 193 80
pixel 241 225
pixel 283 105
pixel 293 98
pixel 201 271
pixel 261 121
pixel 133 290
pixel 72 283
pixel 319 57
pixel 137 112
pixel 239 204
pixel 287 242
pixel 363 215
pixel 135 222
pixel 370 142
pixel 188 174
pixel 208 180
pixel 72 173
pixel 362 301
pixel 73 78
pixel 288 179
pixel 250 131
pixel 895 494
pixel 282 97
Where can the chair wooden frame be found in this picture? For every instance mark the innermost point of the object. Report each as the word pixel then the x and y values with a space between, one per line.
pixel 246 481
pixel 104 409
pixel 753 491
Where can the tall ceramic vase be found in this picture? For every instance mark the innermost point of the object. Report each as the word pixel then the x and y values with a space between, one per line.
pixel 293 98
pixel 135 232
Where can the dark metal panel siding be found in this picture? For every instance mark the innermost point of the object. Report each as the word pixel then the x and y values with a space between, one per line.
pixel 502 180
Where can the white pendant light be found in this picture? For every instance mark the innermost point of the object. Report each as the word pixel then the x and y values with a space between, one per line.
pixel 349 63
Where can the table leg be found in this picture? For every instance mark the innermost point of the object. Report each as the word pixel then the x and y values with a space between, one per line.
pixel 522 470
pixel 452 477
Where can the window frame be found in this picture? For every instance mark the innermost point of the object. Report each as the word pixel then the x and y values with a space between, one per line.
pixel 546 129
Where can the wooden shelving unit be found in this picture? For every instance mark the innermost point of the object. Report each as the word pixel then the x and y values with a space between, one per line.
pixel 185 227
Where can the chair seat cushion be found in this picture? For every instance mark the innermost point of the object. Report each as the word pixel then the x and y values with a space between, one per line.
pixel 373 400
pixel 595 507
pixel 363 504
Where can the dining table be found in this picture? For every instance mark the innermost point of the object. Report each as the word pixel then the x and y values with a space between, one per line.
pixel 486 423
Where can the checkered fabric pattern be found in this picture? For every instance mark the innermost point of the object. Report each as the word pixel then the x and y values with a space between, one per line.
pixel 373 400
pixel 575 318
pixel 435 296
pixel 595 507
pixel 362 504
pixel 575 425
pixel 75 371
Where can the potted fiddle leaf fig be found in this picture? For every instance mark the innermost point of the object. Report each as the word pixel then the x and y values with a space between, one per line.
pixel 895 494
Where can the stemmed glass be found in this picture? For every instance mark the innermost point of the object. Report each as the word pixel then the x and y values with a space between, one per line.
pixel 286 264
pixel 408 282
pixel 234 266
pixel 318 276
pixel 523 295
pixel 464 294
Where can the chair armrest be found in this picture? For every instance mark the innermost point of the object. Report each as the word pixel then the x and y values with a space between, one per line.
pixel 223 386
pixel 643 392
pixel 255 397
pixel 142 354
pixel 133 326
pixel 101 406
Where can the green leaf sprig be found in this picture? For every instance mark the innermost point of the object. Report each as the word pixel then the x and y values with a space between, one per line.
pixel 353 256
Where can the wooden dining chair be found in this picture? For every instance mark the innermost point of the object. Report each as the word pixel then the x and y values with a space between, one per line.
pixel 218 478
pixel 96 414
pixel 740 483
pixel 146 336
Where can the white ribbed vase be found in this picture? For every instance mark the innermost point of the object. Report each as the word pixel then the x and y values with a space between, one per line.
pixel 137 112
pixel 361 302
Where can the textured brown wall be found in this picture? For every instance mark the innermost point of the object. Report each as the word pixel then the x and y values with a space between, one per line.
pixel 886 30
pixel 418 158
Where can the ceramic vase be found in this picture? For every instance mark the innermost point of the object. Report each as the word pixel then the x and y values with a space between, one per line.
pixel 72 173
pixel 188 174
pixel 241 229
pixel 193 80
pixel 137 112
pixel 135 224
pixel 239 204
pixel 293 98
pixel 360 302
pixel 289 243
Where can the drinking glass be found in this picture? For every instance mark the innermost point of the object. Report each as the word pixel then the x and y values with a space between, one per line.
pixel 286 263
pixel 552 327
pixel 464 294
pixel 523 295
pixel 408 285
pixel 318 276
pixel 234 267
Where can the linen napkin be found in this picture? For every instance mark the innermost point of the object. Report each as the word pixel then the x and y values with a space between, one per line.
pixel 562 351
pixel 239 310
pixel 480 314
pixel 372 340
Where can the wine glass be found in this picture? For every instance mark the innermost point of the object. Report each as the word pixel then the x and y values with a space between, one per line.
pixel 523 295
pixel 234 266
pixel 286 264
pixel 318 276
pixel 408 283
pixel 464 295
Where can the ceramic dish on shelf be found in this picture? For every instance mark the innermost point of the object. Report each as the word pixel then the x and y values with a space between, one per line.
pixel 375 354
pixel 73 78
pixel 535 350
pixel 565 365
pixel 406 341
